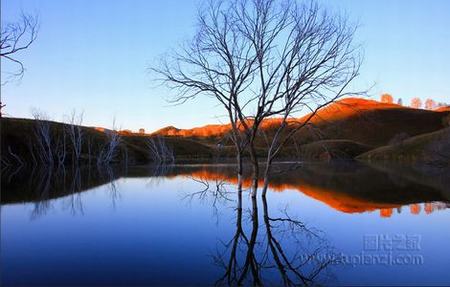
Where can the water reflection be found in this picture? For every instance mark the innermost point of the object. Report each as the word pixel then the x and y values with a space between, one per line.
pixel 349 188
pixel 282 250
pixel 257 242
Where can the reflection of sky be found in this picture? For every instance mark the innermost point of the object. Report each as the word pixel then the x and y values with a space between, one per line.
pixel 152 235
pixel 93 55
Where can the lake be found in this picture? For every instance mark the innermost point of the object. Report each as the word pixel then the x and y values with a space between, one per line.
pixel 342 223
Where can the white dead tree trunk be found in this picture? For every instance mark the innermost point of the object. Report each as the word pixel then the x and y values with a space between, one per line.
pixel 109 151
pixel 159 151
pixel 61 148
pixel 75 134
pixel 43 136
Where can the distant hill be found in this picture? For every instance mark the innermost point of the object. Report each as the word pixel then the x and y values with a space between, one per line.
pixel 430 148
pixel 344 130
pixel 443 109
pixel 363 121
pixel 373 123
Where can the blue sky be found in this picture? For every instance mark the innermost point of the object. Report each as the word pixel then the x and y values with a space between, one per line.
pixel 92 55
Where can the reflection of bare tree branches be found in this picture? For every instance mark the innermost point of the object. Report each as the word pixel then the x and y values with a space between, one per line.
pixel 216 189
pixel 157 173
pixel 211 189
pixel 73 201
pixel 286 250
pixel 108 173
pixel 290 267
pixel 232 266
pixel 42 188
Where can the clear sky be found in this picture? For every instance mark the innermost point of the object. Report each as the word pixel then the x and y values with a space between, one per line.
pixel 92 55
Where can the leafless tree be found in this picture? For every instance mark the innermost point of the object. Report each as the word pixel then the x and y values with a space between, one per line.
pixel 61 148
pixel 159 151
pixel 219 62
pixel 16 37
pixel 306 59
pixel 263 59
pixel 109 150
pixel 75 134
pixel 43 134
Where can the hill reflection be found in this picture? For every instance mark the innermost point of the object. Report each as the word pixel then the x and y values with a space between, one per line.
pixel 349 188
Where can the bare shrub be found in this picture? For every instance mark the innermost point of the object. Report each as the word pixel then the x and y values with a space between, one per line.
pixel 159 151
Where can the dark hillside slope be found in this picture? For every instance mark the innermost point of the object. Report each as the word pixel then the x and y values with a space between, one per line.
pixel 431 148
pixel 18 138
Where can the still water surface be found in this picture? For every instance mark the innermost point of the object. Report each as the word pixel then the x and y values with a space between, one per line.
pixel 188 225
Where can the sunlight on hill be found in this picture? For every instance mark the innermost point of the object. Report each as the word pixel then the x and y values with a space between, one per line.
pixel 337 200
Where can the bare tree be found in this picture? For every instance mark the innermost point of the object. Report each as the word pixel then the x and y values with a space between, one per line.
pixel 266 58
pixel 43 134
pixel 159 151
pixel 61 148
pixel 219 62
pixel 306 60
pixel 109 150
pixel 16 37
pixel 75 133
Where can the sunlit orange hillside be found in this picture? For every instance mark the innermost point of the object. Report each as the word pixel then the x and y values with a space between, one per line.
pixel 361 120
pixel 349 107
pixel 342 195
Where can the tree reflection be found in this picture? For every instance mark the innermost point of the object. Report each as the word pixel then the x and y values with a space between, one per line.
pixel 43 186
pixel 216 190
pixel 282 250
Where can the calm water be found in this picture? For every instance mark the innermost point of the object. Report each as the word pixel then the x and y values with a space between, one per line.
pixel 188 225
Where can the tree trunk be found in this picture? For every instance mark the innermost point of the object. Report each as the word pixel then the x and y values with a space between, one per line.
pixel 239 169
pixel 255 171
pixel 266 178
